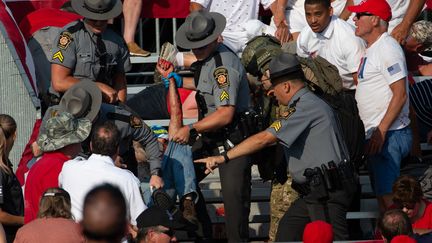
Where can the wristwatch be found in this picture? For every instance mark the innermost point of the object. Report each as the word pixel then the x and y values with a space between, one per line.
pixel 157 172
pixel 192 131
pixel 226 158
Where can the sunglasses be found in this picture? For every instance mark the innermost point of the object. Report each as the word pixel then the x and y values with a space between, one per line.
pixel 359 15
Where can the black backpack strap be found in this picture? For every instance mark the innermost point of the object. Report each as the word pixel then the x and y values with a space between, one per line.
pixel 218 59
pixel 74 28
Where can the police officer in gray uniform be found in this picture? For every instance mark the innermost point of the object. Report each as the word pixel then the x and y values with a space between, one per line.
pixel 84 99
pixel 222 96
pixel 87 49
pixel 314 149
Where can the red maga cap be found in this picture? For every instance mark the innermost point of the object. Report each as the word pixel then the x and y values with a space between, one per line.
pixel 378 8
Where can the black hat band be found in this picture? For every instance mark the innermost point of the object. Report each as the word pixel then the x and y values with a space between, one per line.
pixel 99 11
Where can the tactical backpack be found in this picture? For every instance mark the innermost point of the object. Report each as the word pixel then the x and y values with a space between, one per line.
pixel 324 80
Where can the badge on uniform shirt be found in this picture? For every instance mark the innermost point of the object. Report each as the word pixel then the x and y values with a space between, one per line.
pixel 135 121
pixel 276 125
pixel 221 76
pixel 224 96
pixel 58 55
pixel 286 114
pixel 64 40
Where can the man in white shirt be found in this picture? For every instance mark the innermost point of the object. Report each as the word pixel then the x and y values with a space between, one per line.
pixel 295 14
pixel 79 176
pixel 382 97
pixel 331 38
pixel 238 13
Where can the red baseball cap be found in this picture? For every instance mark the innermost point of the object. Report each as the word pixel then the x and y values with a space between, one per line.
pixel 403 239
pixel 318 232
pixel 378 8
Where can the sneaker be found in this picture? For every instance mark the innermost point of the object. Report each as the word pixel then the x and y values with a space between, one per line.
pixel 162 200
pixel 135 50
pixel 168 52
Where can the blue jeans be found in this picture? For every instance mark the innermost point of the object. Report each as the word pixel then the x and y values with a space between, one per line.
pixel 178 171
pixel 384 167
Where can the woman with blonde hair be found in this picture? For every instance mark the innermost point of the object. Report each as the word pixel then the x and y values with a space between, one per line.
pixel 54 223
pixel 11 196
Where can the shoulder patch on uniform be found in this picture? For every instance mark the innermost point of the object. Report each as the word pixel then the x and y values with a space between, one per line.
pixel 276 125
pixel 286 114
pixel 64 40
pixel 53 113
pixel 58 55
pixel 136 121
pixel 221 76
pixel 224 96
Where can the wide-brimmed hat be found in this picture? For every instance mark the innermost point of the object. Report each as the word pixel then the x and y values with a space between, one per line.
pixel 83 99
pixel 62 130
pixel 200 29
pixel 284 65
pixel 156 216
pixel 98 9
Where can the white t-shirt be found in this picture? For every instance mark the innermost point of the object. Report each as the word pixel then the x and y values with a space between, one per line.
pixel 337 44
pixel 79 176
pixel 383 64
pixel 296 17
pixel 237 13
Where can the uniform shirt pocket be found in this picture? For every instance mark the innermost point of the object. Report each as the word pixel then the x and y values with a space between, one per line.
pixel 84 65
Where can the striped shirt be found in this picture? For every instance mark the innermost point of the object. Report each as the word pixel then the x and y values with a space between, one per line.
pixel 421 99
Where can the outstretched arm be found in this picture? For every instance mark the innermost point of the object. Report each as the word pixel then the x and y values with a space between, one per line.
pixel 248 146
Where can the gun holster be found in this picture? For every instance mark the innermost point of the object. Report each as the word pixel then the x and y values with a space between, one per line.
pixel 316 181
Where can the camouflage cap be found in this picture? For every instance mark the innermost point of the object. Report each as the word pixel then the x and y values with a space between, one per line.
pixel 62 130
pixel 265 55
pixel 422 32
pixel 249 59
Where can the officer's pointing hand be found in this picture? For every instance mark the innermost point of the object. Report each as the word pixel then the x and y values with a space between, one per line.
pixel 182 135
pixel 211 162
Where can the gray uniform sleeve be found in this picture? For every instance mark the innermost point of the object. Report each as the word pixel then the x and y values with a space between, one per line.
pixel 226 83
pixel 145 137
pixel 64 50
pixel 289 128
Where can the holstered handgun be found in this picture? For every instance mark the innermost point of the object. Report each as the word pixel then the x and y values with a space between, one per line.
pixel 317 184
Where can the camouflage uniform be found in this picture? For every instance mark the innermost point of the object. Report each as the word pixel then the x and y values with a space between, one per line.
pixel 281 197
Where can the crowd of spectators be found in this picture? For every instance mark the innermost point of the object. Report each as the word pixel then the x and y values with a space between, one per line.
pixel 100 174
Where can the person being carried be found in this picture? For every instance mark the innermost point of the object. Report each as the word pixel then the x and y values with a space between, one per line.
pixel 177 165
